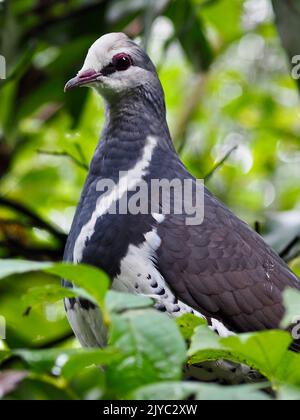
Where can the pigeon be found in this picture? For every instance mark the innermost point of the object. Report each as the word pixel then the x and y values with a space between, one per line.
pixel 218 269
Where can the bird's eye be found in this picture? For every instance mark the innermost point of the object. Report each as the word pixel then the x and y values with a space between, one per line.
pixel 122 62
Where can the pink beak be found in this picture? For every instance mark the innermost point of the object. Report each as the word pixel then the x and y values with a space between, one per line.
pixel 82 79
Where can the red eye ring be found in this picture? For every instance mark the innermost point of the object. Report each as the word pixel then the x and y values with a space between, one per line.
pixel 122 61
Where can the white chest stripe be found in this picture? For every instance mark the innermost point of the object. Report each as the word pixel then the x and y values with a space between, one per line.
pixel 140 276
pixel 128 182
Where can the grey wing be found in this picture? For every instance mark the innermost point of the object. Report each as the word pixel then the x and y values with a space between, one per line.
pixel 223 269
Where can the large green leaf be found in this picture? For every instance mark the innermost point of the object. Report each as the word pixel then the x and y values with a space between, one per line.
pixel 205 392
pixel 228 28
pixel 4 354
pixel 188 323
pixel 288 393
pixel 52 293
pixel 154 348
pixel 66 362
pixel 10 267
pixel 92 280
pixel 263 351
pixel 119 302
pixel 89 357
pixel 288 371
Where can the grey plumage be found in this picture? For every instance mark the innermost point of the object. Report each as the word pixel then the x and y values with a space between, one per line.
pixel 220 269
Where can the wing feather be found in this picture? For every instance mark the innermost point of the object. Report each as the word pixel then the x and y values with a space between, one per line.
pixel 223 269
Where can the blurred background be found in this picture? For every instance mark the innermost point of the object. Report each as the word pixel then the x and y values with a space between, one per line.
pixel 233 109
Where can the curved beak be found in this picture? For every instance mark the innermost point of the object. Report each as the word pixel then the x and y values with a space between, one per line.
pixel 82 79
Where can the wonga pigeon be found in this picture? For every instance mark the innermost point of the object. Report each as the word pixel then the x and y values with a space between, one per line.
pixel 219 269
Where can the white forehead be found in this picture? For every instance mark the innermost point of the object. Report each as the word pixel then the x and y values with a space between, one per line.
pixel 102 51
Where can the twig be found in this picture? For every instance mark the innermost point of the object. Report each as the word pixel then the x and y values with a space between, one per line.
pixel 65 154
pixel 15 222
pixel 81 154
pixel 36 220
pixel 286 251
pixel 292 257
pixel 16 249
pixel 257 227
pixel 220 163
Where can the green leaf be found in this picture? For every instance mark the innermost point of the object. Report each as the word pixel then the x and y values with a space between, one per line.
pixel 4 355
pixel 3 345
pixel 92 280
pixel 289 369
pixel 206 392
pixel 52 293
pixel 205 345
pixel 191 34
pixel 10 267
pixel 155 350
pixel 228 29
pixel 231 393
pixel 119 302
pixel 164 391
pixel 187 324
pixel 263 351
pixel 87 358
pixel 288 393
pixel 45 360
pixel 66 362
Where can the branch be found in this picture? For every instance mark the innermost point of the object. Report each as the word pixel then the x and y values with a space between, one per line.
pixel 15 222
pixel 292 257
pixel 36 220
pixel 82 155
pixel 220 163
pixel 284 254
pixel 257 227
pixel 64 154
pixel 5 157
pixel 15 249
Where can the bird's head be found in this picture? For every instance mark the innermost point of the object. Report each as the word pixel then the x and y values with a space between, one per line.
pixel 115 65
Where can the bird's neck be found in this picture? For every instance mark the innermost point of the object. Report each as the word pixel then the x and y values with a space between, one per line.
pixel 130 121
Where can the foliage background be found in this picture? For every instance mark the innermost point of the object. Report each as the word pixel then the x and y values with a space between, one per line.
pixel 225 67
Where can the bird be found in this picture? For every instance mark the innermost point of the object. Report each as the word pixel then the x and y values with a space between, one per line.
pixel 219 269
